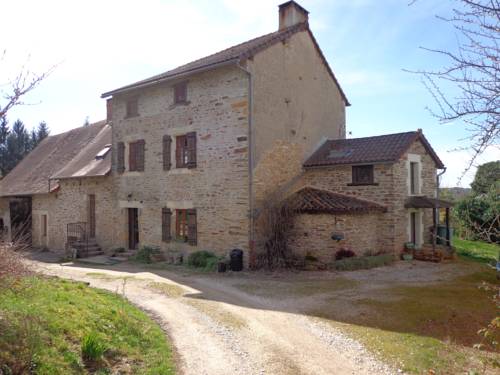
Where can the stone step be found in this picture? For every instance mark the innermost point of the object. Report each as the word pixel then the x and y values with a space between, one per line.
pixel 87 254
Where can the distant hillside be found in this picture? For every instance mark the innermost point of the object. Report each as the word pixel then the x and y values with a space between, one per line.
pixel 454 193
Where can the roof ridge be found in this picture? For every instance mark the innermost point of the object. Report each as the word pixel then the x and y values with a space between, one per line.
pixel 372 136
pixel 100 122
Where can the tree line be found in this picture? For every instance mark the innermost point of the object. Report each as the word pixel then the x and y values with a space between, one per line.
pixel 17 141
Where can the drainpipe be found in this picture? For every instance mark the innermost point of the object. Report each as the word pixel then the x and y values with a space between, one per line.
pixel 250 142
pixel 436 210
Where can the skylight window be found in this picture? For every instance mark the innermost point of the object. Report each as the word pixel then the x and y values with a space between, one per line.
pixel 102 154
pixel 337 154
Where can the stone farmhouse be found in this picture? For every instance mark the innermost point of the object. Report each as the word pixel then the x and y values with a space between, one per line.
pixel 186 160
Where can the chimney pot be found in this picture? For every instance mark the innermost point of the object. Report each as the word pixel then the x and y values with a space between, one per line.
pixel 291 14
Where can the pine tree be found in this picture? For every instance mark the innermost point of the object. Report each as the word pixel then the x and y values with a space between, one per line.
pixel 42 131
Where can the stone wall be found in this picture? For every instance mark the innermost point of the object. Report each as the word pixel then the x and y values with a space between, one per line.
pixel 69 205
pixel 217 188
pixel 391 190
pixel 311 234
pixel 296 106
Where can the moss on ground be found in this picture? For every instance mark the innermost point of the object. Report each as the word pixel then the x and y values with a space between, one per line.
pixel 169 290
pixel 45 319
pixel 419 328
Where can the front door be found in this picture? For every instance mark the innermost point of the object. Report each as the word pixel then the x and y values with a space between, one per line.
pixel 413 227
pixel 91 216
pixel 133 228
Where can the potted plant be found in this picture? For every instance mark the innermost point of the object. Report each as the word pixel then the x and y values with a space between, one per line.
pixel 408 251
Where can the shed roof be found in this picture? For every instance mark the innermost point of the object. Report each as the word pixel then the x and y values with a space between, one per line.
pixel 377 149
pixel 311 200
pixel 31 176
pixel 231 55
pixel 426 202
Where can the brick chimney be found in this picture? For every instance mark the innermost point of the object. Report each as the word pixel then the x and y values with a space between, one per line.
pixel 291 14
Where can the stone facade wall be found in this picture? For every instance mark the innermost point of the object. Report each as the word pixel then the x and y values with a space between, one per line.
pixel 296 106
pixel 391 190
pixel 69 205
pixel 311 234
pixel 217 188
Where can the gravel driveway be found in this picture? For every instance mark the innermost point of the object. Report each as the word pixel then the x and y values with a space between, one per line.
pixel 218 328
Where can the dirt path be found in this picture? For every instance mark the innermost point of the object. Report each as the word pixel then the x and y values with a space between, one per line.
pixel 218 329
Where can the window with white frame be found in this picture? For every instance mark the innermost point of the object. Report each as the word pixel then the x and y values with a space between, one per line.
pixel 414 175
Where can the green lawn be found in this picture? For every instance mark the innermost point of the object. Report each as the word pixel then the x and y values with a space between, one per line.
pixel 44 320
pixel 476 250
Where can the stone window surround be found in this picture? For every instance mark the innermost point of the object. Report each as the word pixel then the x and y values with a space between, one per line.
pixel 174 206
pixel 174 132
pixel 420 226
pixel 415 158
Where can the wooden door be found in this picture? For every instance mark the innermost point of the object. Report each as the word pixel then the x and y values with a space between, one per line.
pixel 133 228
pixel 91 214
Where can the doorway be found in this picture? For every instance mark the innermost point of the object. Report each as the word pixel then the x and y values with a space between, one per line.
pixel 415 230
pixel 133 228
pixel 91 214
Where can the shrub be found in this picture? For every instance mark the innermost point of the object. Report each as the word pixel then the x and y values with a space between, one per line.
pixel 93 348
pixel 145 254
pixel 12 268
pixel 365 262
pixel 344 253
pixel 203 259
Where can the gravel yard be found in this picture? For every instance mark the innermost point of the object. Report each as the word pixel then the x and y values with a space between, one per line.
pixel 259 323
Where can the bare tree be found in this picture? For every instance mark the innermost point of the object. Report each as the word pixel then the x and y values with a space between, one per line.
pixel 13 91
pixel 473 73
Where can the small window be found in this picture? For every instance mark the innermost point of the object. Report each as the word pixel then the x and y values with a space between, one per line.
pixel 180 93
pixel 362 175
pixel 132 108
pixel 414 178
pixel 102 154
pixel 181 225
pixel 185 151
pixel 136 156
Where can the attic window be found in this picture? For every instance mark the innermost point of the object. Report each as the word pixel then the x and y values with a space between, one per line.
pixel 180 93
pixel 102 154
pixel 337 154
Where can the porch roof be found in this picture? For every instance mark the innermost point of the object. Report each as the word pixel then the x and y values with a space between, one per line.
pixel 311 200
pixel 426 202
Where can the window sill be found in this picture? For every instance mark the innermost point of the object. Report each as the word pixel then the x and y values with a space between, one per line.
pixel 366 184
pixel 174 171
pixel 132 173
pixel 180 104
pixel 131 116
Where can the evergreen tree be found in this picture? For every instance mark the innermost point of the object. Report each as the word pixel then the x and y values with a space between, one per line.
pixel 4 131
pixel 42 132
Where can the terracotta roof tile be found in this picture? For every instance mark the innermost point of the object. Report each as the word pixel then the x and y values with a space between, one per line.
pixel 233 54
pixel 426 202
pixel 377 149
pixel 311 200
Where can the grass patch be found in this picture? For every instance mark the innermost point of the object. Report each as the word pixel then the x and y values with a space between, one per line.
pixel 476 250
pixel 217 313
pixel 47 323
pixel 169 290
pixel 295 288
pixel 363 263
pixel 418 328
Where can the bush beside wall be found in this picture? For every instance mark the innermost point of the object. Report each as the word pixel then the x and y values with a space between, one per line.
pixel 365 262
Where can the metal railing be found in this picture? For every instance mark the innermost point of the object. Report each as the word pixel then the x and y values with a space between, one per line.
pixel 76 232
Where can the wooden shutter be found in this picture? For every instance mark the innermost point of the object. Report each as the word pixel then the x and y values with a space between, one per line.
pixel 132 157
pixel 167 146
pixel 139 155
pixel 191 149
pixel 166 219
pixel 192 230
pixel 120 157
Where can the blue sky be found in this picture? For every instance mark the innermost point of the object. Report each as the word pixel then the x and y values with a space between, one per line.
pixel 101 45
